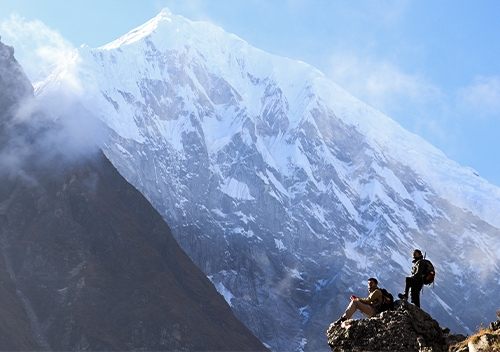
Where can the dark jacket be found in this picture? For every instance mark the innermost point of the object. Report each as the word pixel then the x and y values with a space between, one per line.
pixel 419 269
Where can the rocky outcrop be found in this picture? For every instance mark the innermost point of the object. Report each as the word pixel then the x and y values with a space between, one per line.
pixel 405 328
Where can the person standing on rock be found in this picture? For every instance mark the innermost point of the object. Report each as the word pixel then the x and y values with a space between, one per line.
pixel 415 282
pixel 366 306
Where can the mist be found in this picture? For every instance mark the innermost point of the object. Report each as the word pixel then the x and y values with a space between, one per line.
pixel 37 45
pixel 43 132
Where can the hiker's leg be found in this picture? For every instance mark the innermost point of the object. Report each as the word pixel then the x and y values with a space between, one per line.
pixel 408 284
pixel 364 308
pixel 351 308
pixel 415 295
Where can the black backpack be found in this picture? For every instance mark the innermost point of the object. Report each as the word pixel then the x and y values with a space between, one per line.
pixel 387 301
pixel 428 276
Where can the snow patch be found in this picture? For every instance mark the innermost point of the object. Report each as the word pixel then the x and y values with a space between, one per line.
pixel 279 244
pixel 236 189
pixel 228 296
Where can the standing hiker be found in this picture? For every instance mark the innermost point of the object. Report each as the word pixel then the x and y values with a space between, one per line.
pixel 415 282
pixel 366 306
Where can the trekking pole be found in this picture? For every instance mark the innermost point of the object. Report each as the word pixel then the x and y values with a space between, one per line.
pixel 425 254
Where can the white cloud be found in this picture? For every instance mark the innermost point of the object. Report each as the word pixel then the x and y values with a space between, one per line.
pixel 36 45
pixel 380 83
pixel 482 97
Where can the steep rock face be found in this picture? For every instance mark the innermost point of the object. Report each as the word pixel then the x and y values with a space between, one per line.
pixel 87 263
pixel 284 189
pixel 15 330
pixel 14 84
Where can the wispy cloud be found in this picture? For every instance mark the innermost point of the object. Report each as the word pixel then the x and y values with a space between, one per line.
pixel 409 98
pixel 41 132
pixel 36 45
pixel 482 97
pixel 380 83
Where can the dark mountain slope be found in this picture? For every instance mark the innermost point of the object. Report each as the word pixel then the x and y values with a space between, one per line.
pixel 88 264
pixel 101 269
pixel 15 333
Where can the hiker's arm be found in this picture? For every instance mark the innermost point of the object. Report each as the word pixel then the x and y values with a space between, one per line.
pixel 372 298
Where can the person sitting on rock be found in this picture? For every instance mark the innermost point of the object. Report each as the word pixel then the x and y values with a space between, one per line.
pixel 366 306
pixel 415 282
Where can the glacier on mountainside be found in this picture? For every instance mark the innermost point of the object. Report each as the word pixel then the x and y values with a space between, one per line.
pixel 286 190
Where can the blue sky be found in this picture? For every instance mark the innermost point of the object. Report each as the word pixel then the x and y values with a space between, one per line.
pixel 433 66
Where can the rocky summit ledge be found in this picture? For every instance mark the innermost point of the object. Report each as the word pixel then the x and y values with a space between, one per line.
pixel 405 328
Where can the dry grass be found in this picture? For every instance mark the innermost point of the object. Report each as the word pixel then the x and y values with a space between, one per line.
pixel 495 346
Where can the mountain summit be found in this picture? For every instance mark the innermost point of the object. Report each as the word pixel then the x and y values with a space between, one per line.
pixel 286 190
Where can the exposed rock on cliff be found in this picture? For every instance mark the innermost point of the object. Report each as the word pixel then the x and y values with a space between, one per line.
pixel 14 85
pixel 405 328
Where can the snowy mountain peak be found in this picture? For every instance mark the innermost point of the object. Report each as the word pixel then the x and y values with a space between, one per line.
pixel 167 31
pixel 284 188
pixel 143 30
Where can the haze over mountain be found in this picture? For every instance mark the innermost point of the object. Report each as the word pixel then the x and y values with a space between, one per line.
pixel 87 263
pixel 286 190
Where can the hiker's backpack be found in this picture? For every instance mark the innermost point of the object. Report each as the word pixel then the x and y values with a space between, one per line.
pixel 387 301
pixel 429 274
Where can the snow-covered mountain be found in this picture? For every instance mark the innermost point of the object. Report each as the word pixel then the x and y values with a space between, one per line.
pixel 287 191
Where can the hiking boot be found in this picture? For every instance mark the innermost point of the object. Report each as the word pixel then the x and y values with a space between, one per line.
pixel 403 296
pixel 340 320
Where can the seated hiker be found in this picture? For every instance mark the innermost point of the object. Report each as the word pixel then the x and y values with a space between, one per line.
pixel 415 282
pixel 366 306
